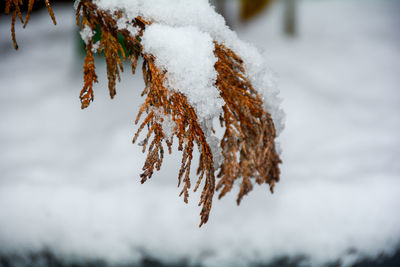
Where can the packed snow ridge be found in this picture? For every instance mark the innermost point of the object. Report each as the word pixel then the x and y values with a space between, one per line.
pixel 181 39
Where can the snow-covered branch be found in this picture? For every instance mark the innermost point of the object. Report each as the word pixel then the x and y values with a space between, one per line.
pixel 196 71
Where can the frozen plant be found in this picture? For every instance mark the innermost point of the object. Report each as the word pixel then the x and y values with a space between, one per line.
pixel 195 70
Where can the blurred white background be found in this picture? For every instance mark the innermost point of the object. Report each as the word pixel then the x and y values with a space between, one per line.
pixel 69 179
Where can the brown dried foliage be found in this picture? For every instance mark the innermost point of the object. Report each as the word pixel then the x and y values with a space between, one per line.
pixel 187 131
pixel 14 6
pixel 248 144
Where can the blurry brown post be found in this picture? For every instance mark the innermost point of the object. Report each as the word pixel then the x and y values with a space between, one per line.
pixel 251 8
pixel 290 20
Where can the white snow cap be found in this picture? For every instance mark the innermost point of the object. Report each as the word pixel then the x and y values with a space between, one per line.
pixel 181 38
pixel 87 34
pixel 187 55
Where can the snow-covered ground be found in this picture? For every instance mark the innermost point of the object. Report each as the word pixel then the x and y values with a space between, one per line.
pixel 69 178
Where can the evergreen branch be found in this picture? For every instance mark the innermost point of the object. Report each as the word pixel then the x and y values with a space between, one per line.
pixel 248 144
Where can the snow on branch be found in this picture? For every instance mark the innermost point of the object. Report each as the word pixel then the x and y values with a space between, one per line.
pixel 196 71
